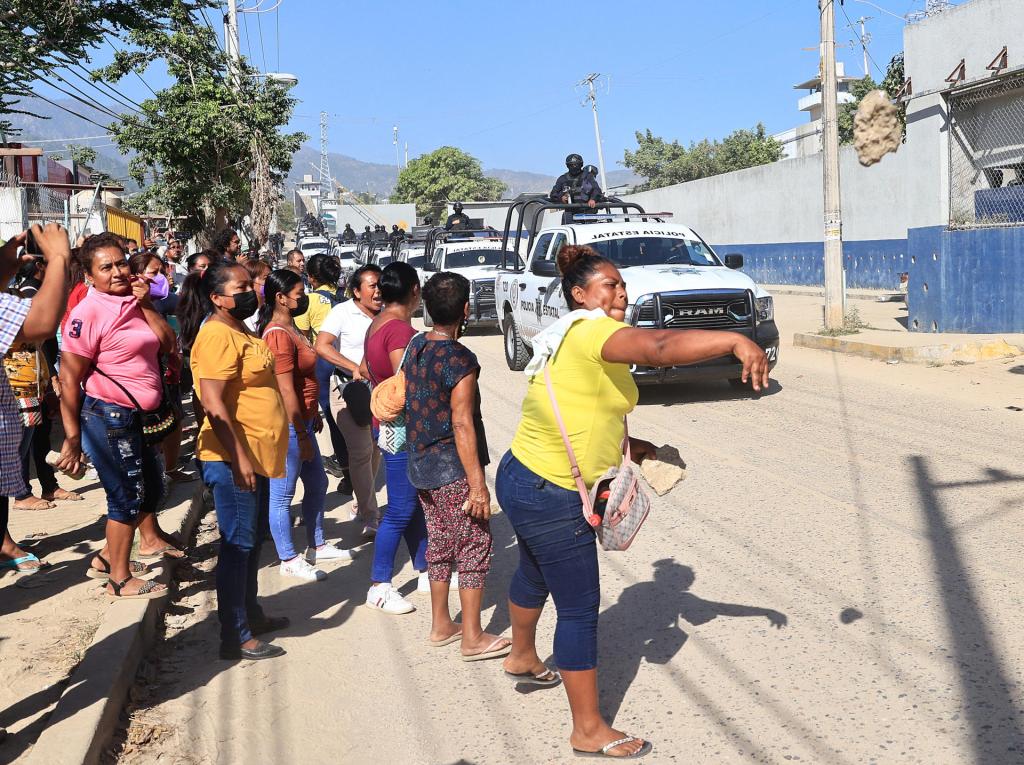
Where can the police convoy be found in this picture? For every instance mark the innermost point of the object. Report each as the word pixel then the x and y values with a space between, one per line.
pixel 675 280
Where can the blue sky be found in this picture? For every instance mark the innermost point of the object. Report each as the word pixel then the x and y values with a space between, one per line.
pixel 498 79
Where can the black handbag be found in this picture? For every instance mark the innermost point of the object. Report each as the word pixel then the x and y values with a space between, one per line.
pixel 156 425
pixel 356 395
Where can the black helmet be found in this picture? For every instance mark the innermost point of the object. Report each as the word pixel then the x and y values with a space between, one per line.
pixel 457 207
pixel 591 171
pixel 574 162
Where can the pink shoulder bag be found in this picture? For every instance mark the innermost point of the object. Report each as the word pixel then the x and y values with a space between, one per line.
pixel 627 504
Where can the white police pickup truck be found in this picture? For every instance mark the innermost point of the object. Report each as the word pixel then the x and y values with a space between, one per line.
pixel 674 281
pixel 474 254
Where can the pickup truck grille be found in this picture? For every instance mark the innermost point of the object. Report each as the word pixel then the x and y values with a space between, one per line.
pixel 701 310
pixel 483 303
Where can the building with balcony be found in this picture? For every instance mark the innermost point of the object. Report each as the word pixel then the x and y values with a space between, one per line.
pixel 805 140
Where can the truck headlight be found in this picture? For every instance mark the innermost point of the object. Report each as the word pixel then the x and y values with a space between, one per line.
pixel 765 309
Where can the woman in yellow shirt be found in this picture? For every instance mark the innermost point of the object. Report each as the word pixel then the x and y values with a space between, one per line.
pixel 243 442
pixel 557 552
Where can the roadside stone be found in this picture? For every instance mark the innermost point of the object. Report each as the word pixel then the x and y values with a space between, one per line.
pixel 876 128
pixel 664 473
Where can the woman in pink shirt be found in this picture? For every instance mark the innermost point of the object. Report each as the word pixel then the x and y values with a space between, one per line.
pixel 112 342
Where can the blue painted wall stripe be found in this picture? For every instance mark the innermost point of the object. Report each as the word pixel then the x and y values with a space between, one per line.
pixel 870 264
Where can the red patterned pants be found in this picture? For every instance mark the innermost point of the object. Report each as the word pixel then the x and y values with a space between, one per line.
pixel 455 541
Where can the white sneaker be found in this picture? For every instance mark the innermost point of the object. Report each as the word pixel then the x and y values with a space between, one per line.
pixel 300 569
pixel 455 580
pixel 327 553
pixel 387 599
pixel 423 583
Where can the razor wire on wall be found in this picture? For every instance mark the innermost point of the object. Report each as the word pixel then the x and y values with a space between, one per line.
pixel 986 155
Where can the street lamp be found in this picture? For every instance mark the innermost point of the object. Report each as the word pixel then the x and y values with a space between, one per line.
pixel 282 78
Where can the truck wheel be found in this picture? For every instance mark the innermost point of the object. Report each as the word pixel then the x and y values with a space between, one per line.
pixel 428 320
pixel 517 353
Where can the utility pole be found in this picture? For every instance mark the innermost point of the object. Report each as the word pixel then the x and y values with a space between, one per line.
pixel 835 297
pixel 325 164
pixel 865 38
pixel 231 45
pixel 592 97
pixel 398 151
pixel 406 153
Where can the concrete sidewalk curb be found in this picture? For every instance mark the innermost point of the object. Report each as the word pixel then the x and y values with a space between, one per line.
pixel 942 353
pixel 88 710
pixel 872 296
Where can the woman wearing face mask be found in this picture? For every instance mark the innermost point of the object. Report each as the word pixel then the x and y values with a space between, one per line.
pixel 295 366
pixel 112 344
pixel 242 444
pixel 258 272
pixel 151 268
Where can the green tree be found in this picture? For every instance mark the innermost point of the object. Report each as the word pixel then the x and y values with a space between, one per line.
pixel 286 216
pixel 216 151
pixel 445 174
pixel 663 163
pixel 40 37
pixel 82 155
pixel 891 84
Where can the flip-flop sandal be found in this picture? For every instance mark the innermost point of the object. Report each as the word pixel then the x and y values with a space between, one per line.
pixel 150 590
pixel 491 652
pixel 545 679
pixel 135 567
pixel 163 553
pixel 447 641
pixel 67 496
pixel 16 563
pixel 36 504
pixel 603 752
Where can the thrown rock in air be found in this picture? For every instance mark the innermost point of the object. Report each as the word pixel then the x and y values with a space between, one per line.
pixel 876 128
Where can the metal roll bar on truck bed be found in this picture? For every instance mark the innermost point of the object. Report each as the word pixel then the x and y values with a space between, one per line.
pixel 540 204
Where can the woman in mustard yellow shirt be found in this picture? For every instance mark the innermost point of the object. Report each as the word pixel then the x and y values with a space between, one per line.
pixel 243 442
pixel 557 551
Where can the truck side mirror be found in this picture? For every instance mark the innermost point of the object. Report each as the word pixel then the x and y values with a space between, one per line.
pixel 735 260
pixel 544 268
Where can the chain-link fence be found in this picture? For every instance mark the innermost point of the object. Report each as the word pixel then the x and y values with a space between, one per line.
pixel 986 155
pixel 46 204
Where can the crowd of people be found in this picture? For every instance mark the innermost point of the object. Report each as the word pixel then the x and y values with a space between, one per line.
pixel 270 358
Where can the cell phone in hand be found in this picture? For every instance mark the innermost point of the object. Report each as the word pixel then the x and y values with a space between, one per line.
pixel 31 246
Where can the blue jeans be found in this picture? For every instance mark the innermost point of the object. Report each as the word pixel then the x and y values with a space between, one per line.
pixel 403 517
pixel 557 555
pixel 314 492
pixel 325 376
pixel 242 518
pixel 131 472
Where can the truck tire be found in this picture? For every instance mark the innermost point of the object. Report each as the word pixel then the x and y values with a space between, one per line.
pixel 517 353
pixel 428 320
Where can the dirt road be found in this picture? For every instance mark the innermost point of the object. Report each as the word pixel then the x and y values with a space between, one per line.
pixel 875 510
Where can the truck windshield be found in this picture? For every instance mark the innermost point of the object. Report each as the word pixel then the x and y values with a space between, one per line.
pixel 417 261
pixel 655 251
pixel 465 258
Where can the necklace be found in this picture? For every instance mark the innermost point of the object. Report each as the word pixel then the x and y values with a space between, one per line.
pixel 442 334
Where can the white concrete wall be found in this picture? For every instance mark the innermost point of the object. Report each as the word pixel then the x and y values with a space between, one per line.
pixel 402 215
pixel 13 211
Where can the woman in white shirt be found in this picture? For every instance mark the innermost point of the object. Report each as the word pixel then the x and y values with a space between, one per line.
pixel 340 342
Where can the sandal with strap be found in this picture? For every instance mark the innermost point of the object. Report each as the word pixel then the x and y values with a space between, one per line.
pixel 167 551
pixel 32 503
pixel 603 752
pixel 149 590
pixel 135 567
pixel 19 564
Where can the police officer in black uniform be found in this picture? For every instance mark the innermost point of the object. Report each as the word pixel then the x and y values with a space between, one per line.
pixel 457 221
pixel 396 235
pixel 348 236
pixel 576 187
pixel 366 235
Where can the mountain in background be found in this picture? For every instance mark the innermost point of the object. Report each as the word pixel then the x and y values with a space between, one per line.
pixel 351 173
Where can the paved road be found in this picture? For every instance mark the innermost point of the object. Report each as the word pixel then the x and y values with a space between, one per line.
pixel 875 508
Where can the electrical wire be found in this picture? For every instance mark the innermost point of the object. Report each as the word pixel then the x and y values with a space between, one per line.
pixel 263 52
pixel 117 95
pixel 69 111
pixel 62 140
pixel 277 34
pixel 139 76
pixel 862 43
